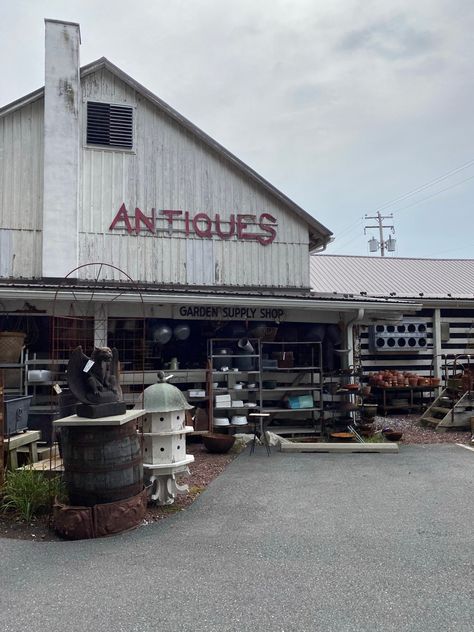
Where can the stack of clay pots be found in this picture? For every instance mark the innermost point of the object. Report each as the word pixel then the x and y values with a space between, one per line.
pixel 367 419
pixel 394 379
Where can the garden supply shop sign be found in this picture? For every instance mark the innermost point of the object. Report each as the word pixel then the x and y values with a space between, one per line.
pixel 213 312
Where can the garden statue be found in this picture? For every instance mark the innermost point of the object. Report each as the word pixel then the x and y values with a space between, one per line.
pixel 95 382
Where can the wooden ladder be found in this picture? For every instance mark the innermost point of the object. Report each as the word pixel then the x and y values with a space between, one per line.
pixel 439 410
pixel 449 410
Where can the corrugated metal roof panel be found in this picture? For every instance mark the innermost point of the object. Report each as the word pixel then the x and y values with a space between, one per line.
pixel 393 277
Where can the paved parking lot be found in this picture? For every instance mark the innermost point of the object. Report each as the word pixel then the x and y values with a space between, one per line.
pixel 304 542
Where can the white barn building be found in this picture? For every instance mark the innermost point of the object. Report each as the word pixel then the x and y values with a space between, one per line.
pixel 96 169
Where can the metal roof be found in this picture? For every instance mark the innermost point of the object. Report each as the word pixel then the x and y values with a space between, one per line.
pixel 132 293
pixel 319 234
pixel 394 277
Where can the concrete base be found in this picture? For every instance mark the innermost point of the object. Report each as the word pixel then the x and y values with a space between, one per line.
pixel 390 448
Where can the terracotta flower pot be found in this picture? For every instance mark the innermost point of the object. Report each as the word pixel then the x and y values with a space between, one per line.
pixel 393 435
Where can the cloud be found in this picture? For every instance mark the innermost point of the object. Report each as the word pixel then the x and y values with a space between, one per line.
pixel 341 104
pixel 393 38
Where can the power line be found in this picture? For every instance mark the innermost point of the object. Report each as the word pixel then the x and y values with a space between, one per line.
pixel 425 186
pixel 428 197
pixel 349 227
pixel 347 243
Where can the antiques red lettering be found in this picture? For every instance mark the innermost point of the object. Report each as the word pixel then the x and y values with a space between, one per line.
pixel 202 217
pixel 150 222
pixel 242 224
pixel 122 216
pixel 220 233
pixel 268 228
pixel 202 225
pixel 170 215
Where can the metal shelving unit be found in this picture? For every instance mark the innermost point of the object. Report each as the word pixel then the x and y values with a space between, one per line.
pixel 231 377
pixel 303 374
pixel 304 377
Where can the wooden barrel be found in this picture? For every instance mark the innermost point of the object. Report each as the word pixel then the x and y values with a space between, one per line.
pixel 102 464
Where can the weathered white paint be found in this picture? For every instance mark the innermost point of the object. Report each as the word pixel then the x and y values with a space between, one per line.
pixel 169 168
pixel 61 149
pixel 20 253
pixel 6 253
pixel 21 191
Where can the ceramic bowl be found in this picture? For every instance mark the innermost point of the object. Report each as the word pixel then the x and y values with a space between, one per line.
pixel 221 421
pixel 218 443
pixel 239 420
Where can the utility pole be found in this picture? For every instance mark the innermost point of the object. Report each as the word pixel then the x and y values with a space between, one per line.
pixel 375 244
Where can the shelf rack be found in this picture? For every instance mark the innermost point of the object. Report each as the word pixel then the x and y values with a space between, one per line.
pixel 305 376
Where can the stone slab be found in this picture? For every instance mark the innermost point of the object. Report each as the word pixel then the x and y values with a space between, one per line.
pixel 116 420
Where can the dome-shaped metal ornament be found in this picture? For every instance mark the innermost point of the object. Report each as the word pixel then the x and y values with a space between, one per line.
pixel 163 397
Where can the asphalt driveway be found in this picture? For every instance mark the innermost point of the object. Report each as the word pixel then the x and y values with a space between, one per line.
pixel 306 542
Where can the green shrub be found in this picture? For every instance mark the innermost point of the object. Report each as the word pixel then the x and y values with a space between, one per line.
pixel 28 493
pixel 375 438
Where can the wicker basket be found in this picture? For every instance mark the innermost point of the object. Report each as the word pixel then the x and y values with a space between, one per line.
pixel 270 334
pixel 11 344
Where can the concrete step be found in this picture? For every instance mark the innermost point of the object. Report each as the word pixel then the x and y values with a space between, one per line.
pixel 430 421
pixel 44 452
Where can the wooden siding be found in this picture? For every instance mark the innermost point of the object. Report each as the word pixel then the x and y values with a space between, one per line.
pixel 21 191
pixel 461 341
pixel 20 254
pixel 171 169
pixel 461 331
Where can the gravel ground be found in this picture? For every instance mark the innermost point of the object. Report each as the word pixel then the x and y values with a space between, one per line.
pixel 207 467
pixel 413 433
pixel 204 469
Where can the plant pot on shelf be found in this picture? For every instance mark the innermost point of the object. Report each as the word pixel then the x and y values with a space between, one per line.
pixel 342 436
pixel 368 410
pixel 351 386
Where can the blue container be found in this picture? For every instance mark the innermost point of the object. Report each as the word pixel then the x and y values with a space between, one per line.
pixel 15 414
pixel 300 401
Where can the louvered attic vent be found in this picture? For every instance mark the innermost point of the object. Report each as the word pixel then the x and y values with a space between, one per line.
pixel 109 125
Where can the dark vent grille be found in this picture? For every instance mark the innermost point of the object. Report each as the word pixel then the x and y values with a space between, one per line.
pixel 109 125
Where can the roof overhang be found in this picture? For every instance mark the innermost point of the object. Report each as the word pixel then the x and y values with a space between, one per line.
pixel 373 308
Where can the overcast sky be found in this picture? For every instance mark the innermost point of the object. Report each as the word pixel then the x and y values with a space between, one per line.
pixel 343 105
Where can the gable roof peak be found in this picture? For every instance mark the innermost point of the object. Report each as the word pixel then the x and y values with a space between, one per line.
pixel 319 235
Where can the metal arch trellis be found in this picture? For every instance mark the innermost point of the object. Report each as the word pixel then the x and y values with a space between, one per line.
pixel 84 324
